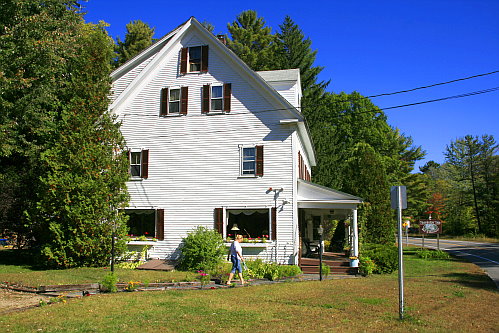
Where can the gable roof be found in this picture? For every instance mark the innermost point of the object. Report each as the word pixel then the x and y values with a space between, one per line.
pixel 162 47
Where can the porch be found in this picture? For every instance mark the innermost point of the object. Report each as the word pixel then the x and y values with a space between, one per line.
pixel 320 208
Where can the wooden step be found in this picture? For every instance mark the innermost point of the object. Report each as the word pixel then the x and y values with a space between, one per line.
pixel 333 270
pixel 331 263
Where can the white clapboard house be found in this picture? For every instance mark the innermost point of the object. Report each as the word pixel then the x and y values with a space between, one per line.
pixel 213 143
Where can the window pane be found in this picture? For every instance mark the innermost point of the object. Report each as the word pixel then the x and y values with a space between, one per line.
pixel 195 53
pixel 216 92
pixel 135 170
pixel 252 224
pixel 141 223
pixel 174 107
pixel 135 158
pixel 216 104
pixel 248 152
pixel 174 95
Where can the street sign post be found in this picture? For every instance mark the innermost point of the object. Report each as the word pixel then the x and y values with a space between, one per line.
pixel 398 196
pixel 431 226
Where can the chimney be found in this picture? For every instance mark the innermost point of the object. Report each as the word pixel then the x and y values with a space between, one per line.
pixel 222 39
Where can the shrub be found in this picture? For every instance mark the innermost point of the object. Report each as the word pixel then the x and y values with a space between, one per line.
pixel 108 284
pixel 290 270
pixel 385 257
pixel 432 254
pixel 325 270
pixel 258 269
pixel 203 249
pixel 367 266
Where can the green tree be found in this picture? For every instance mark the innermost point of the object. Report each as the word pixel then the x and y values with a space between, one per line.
pixel 294 51
pixel 67 153
pixel 474 162
pixel 252 41
pixel 138 37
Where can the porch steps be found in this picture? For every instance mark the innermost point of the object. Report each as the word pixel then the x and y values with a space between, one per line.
pixel 338 264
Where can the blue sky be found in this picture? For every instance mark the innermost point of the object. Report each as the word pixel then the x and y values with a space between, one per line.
pixel 372 47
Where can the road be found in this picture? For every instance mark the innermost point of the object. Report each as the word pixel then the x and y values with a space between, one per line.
pixel 484 255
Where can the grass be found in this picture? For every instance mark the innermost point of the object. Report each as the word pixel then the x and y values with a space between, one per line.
pixel 440 296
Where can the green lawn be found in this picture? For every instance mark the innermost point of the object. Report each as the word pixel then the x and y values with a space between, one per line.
pixel 441 296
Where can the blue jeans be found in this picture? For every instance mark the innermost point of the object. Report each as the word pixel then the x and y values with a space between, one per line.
pixel 236 264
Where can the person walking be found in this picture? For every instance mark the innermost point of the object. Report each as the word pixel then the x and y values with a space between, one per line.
pixel 236 256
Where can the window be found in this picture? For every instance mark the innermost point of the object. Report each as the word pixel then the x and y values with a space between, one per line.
pixel 141 222
pixel 253 223
pixel 216 98
pixel 146 222
pixel 139 163
pixel 194 59
pixel 174 101
pixel 251 160
pixel 135 164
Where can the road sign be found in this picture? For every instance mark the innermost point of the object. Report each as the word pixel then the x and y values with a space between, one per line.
pixel 398 196
pixel 430 226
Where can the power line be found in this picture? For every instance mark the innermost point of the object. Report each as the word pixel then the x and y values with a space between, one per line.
pixel 234 113
pixel 433 85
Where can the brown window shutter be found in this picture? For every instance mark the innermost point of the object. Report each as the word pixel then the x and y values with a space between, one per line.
pixel 145 163
pixel 259 160
pixel 164 102
pixel 183 60
pixel 160 224
pixel 204 58
pixel 205 108
pixel 219 225
pixel 128 155
pixel 184 94
pixel 274 223
pixel 227 96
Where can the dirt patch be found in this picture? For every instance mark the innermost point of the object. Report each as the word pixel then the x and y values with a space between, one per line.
pixel 15 300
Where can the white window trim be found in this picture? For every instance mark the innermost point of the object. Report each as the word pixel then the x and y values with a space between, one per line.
pixel 221 85
pixel 241 156
pixel 135 150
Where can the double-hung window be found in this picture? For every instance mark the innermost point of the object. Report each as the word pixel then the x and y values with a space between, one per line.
pixel 174 101
pixel 146 222
pixel 194 59
pixel 251 160
pixel 216 98
pixel 139 163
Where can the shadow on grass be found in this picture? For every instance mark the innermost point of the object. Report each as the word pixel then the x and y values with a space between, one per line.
pixel 24 258
pixel 471 280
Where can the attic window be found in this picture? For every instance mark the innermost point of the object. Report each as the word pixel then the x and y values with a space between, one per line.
pixel 194 59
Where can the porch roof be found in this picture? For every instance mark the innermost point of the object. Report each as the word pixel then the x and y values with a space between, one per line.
pixel 311 195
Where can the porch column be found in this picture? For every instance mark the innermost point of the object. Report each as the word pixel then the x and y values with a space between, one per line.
pixel 355 240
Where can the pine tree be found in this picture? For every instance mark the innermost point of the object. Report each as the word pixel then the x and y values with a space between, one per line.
pixel 294 51
pixel 252 41
pixel 138 37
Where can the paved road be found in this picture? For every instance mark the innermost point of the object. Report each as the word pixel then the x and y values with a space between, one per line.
pixel 485 255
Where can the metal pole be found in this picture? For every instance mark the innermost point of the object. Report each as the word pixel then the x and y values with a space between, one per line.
pixel 112 252
pixel 320 258
pixel 401 259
